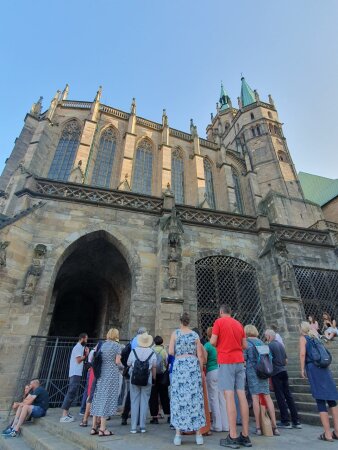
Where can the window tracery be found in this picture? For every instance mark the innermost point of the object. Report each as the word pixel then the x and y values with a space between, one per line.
pixel 105 159
pixel 177 175
pixel 143 170
pixel 209 184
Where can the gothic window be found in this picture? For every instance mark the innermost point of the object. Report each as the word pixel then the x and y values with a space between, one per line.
pixel 209 185
pixel 253 132
pixel 258 129
pixel 269 114
pixel 105 159
pixel 177 175
pixel 238 194
pixel 65 152
pixel 276 130
pixel 270 128
pixel 143 169
pixel 252 116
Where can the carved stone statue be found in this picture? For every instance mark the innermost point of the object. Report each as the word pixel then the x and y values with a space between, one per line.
pixel 193 129
pixel 3 246
pixel 36 108
pixel 33 274
pixel 133 106
pixel 164 119
pixel 285 265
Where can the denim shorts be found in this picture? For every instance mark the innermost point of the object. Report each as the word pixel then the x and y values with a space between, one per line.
pixel 231 377
pixel 37 412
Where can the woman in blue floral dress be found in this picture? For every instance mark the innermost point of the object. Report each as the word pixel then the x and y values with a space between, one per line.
pixel 186 403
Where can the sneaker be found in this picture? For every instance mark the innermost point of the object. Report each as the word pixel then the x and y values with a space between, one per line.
pixel 154 420
pixel 143 430
pixel 284 425
pixel 81 414
pixel 13 434
pixel 124 422
pixel 229 442
pixel 199 439
pixel 7 431
pixel 297 425
pixel 244 441
pixel 177 439
pixel 67 419
pixel 275 431
pixel 133 431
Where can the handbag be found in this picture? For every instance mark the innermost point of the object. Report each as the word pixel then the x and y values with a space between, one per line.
pixel 264 418
pixel 165 378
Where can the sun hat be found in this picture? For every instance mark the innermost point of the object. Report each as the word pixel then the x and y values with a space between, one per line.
pixel 144 340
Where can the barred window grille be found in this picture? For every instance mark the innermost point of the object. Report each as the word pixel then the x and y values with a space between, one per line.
pixel 223 279
pixel 238 194
pixel 105 159
pixel 65 152
pixel 209 184
pixel 319 291
pixel 177 175
pixel 143 169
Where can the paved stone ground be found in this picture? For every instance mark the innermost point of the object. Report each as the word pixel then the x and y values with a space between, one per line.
pixel 160 437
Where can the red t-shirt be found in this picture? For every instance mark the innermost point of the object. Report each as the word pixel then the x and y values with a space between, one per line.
pixel 229 343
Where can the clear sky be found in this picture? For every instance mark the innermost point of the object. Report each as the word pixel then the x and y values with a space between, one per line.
pixel 173 54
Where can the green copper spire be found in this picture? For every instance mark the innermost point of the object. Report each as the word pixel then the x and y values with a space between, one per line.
pixel 247 94
pixel 223 99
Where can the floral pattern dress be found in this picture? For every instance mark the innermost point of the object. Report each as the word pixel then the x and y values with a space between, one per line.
pixel 186 403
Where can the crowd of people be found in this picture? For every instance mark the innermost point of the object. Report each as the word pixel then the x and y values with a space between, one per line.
pixel 202 385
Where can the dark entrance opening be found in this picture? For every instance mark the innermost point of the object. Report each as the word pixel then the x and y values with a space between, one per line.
pixel 92 290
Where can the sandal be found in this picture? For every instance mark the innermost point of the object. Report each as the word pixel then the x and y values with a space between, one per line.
pixel 84 423
pixel 322 437
pixel 93 431
pixel 334 436
pixel 104 433
pixel 258 432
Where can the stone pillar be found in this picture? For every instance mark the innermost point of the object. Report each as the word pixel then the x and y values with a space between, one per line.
pixel 85 145
pixel 128 156
pixel 166 166
pixel 169 301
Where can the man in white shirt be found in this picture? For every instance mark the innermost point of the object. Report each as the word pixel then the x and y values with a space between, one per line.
pixel 78 355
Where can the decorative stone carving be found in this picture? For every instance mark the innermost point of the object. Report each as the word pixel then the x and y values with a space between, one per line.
pixel 173 225
pixel 285 266
pixel 193 129
pixel 36 108
pixel 77 175
pixel 33 274
pixel 3 246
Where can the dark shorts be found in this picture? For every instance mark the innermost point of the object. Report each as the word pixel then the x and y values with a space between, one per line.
pixel 37 412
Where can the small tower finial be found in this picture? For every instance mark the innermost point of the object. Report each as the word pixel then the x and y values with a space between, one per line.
pixel 65 92
pixel 36 107
pixel 133 106
pixel 164 118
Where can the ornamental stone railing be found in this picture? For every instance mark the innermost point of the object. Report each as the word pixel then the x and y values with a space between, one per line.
pixel 73 192
pixel 114 112
pixel 148 123
pixel 76 104
pixel 180 134
pixel 216 219
pixel 302 235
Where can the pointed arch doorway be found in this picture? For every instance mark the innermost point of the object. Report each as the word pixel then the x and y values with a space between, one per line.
pixel 92 289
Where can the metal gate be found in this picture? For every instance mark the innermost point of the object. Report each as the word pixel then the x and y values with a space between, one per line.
pixel 47 358
pixel 318 290
pixel 223 279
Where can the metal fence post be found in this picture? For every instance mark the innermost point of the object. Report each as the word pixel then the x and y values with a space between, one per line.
pixel 52 363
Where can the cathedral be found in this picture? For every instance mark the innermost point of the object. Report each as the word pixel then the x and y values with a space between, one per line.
pixel 110 219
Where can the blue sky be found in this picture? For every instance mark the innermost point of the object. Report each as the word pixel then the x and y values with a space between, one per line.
pixel 173 54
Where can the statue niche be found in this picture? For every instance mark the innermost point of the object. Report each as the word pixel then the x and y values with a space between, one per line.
pixel 33 273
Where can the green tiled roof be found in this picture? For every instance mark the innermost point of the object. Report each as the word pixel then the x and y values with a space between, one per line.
pixel 247 94
pixel 223 99
pixel 318 189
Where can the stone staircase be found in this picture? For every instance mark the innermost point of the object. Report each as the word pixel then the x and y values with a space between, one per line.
pixel 300 388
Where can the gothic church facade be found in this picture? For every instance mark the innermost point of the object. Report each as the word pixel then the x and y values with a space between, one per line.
pixel 109 219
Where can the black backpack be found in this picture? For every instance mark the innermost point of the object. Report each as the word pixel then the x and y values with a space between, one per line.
pixel 97 361
pixel 317 353
pixel 125 354
pixel 263 365
pixel 140 372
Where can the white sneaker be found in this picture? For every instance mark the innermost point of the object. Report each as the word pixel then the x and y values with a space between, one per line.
pixel 67 419
pixel 143 430
pixel 133 431
pixel 199 439
pixel 177 440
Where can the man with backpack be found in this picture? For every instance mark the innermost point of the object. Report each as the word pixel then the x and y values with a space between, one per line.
pixel 160 387
pixel 280 382
pixel 142 361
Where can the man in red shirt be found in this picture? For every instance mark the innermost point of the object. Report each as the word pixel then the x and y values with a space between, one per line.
pixel 229 338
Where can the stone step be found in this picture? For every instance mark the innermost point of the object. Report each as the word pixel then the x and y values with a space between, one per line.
pixel 17 443
pixel 40 439
pixel 77 435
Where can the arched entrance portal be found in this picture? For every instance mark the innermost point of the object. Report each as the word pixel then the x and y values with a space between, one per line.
pixel 92 289
pixel 223 279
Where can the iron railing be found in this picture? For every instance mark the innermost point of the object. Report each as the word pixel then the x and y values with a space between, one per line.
pixel 47 359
